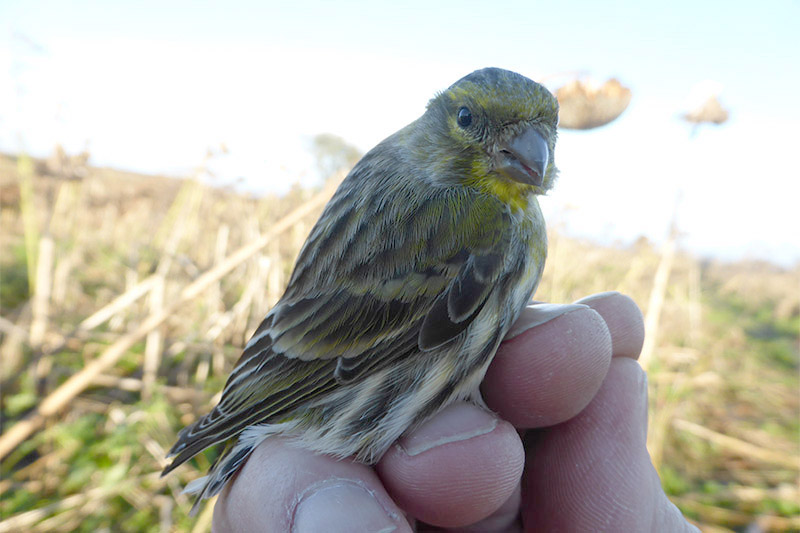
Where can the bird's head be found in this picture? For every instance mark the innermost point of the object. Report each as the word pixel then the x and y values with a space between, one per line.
pixel 494 130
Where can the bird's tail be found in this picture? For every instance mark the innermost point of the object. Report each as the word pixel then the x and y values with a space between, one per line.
pixel 226 465
pixel 233 456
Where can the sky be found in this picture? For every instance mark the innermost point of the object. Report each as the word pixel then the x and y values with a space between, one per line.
pixel 151 86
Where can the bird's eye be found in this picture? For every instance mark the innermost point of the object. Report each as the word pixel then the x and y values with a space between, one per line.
pixel 464 117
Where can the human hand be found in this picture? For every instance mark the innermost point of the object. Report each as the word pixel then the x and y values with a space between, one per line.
pixel 584 466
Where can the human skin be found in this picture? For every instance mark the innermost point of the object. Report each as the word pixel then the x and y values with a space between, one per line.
pixel 563 449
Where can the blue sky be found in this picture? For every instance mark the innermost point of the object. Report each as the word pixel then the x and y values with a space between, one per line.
pixel 151 85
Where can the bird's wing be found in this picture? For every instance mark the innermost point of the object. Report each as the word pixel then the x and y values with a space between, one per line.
pixel 363 294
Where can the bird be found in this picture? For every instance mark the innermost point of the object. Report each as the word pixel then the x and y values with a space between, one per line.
pixel 416 269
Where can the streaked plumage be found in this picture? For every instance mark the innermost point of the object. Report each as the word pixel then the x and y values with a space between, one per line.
pixel 408 282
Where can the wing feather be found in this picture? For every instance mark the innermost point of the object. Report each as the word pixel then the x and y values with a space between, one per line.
pixel 428 275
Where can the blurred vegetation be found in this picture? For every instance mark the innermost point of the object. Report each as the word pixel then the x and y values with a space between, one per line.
pixel 724 425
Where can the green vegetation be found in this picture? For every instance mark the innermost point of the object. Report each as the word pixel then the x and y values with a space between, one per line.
pixel 724 377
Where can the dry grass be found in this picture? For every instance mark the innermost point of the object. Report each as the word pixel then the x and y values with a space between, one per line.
pixel 132 284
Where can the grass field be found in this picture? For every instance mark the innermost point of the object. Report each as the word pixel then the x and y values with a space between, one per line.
pixel 125 300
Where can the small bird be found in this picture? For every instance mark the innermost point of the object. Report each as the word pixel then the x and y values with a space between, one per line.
pixel 416 269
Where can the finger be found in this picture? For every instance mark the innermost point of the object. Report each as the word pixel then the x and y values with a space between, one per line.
pixel 624 320
pixel 549 373
pixel 285 488
pixel 593 472
pixel 456 469
pixel 506 519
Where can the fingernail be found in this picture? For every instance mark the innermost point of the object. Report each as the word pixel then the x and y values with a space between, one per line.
pixel 598 296
pixel 455 423
pixel 538 314
pixel 341 506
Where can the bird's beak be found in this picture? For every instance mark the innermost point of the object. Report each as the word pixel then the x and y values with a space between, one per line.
pixel 524 158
